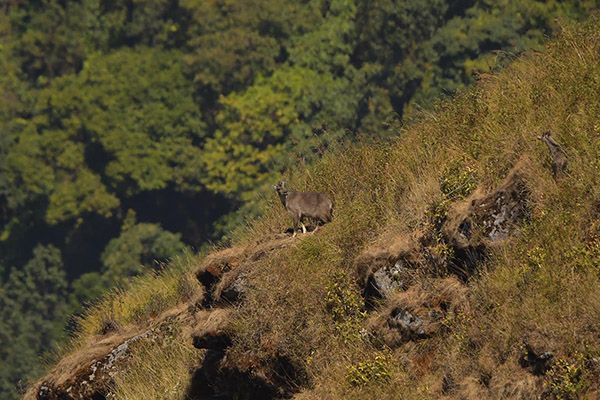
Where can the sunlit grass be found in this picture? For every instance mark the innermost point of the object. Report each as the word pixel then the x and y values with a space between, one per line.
pixel 157 371
pixel 388 187
pixel 144 298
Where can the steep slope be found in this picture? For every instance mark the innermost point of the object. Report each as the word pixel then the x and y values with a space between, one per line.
pixel 457 266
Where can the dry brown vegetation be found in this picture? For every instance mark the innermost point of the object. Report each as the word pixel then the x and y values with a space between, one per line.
pixel 303 325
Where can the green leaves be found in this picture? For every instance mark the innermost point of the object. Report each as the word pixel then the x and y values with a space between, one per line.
pixel 139 245
pixel 138 109
pixel 258 125
pixel 33 312
pixel 233 42
pixel 126 123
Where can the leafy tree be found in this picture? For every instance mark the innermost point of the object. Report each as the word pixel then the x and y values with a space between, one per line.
pixel 328 45
pixel 154 23
pixel 10 86
pixel 138 247
pixel 13 103
pixel 33 312
pixel 432 49
pixel 390 34
pixel 55 37
pixel 232 42
pixel 86 289
pixel 316 97
pixel 469 43
pixel 258 125
pixel 125 124
pixel 331 48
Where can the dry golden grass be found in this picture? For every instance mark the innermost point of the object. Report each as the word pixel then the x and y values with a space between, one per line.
pixel 145 298
pixel 158 371
pixel 543 281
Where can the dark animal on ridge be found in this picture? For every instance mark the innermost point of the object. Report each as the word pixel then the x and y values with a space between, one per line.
pixel 559 157
pixel 302 205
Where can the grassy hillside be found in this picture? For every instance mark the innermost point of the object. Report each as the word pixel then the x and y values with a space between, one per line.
pixel 302 326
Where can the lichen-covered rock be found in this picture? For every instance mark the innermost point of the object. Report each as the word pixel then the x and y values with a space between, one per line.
pixel 410 326
pixel 482 221
pixel 417 313
pixel 491 217
pixel 231 288
pixel 89 372
pixel 392 278
pixel 382 271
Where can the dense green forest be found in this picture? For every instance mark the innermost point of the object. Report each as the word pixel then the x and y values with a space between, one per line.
pixel 133 130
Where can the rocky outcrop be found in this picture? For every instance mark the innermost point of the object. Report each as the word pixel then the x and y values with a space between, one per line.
pixel 221 273
pixel 383 270
pixel 215 377
pixel 226 277
pixel 89 372
pixel 232 287
pixel 406 285
pixel 213 268
pixel 458 244
pixel 480 222
pixel 417 313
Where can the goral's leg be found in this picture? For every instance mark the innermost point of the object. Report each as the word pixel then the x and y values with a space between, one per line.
pixel 296 221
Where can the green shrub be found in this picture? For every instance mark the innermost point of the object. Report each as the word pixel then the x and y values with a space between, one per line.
pixel 374 370
pixel 565 380
pixel 345 306
pixel 458 181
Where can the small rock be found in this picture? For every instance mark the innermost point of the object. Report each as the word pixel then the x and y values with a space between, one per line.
pixel 410 326
pixel 384 271
pixel 536 361
pixel 232 288
pixel 388 279
pixel 417 313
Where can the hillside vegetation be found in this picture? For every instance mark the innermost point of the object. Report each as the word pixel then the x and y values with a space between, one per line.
pixel 132 131
pixel 492 267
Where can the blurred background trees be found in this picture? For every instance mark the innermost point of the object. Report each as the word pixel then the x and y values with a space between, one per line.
pixel 131 130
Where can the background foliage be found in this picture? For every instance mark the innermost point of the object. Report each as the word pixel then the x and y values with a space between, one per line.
pixel 131 130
